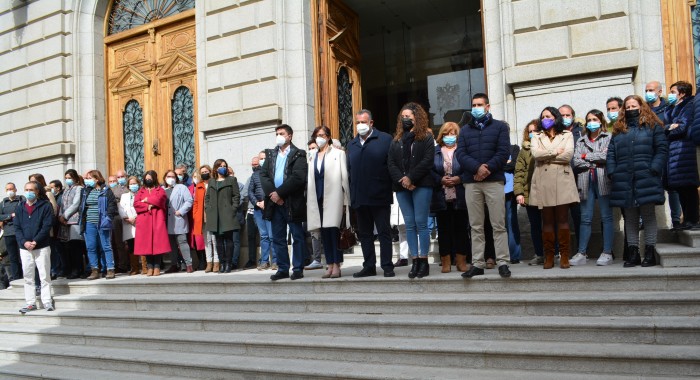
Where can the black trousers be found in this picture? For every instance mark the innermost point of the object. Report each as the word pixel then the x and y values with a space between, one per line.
pixel 689 203
pixel 453 232
pixel 252 232
pixel 367 218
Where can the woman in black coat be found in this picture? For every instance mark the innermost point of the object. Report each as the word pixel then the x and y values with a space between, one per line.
pixel 410 161
pixel 636 160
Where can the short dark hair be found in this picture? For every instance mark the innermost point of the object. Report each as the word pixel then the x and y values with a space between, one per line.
pixel 481 95
pixel 683 87
pixel 615 99
pixel 286 127
pixel 57 183
pixel 573 113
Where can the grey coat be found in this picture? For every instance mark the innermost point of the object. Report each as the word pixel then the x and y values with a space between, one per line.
pixel 69 209
pixel 181 200
pixel 596 157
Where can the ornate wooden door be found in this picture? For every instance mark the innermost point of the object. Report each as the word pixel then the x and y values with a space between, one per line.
pixel 151 103
pixel 337 63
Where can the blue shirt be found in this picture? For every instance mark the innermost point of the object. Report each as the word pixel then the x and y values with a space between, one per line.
pixel 280 164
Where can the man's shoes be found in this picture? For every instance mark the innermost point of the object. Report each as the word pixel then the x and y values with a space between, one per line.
pixel 314 265
pixel 297 275
pixel 264 266
pixel 279 275
pixel 49 307
pixel 516 261
pixel 365 272
pixel 504 271
pixel 537 260
pixel 27 309
pixel 274 267
pixel 110 274
pixel 401 263
pixel 249 265
pixel 389 273
pixel 73 276
pixel 490 264
pixel 474 271
pixel 676 225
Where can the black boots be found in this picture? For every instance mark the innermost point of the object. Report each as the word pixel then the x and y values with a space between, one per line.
pixel 419 268
pixel 633 258
pixel 649 256
pixel 414 269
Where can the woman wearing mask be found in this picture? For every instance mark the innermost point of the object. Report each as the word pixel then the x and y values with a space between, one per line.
pixel 590 157
pixel 682 168
pixel 448 202
pixel 220 207
pixel 410 160
pixel 553 186
pixel 127 212
pixel 98 209
pixel 327 197
pixel 38 177
pixel 636 159
pixel 69 227
pixel 151 240
pixel 179 206
pixel 204 240
pixel 522 179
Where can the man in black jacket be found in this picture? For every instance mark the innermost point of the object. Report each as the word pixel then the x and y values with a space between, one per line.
pixel 7 218
pixel 33 221
pixel 283 179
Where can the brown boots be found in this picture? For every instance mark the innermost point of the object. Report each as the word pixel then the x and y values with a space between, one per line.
pixel 216 268
pixel 564 240
pixel 548 242
pixel 461 262
pixel 144 266
pixel 208 268
pixel 446 264
pixel 134 262
pixel 94 274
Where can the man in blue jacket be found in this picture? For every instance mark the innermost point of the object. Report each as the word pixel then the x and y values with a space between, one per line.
pixel 483 149
pixel 370 193
pixel 33 221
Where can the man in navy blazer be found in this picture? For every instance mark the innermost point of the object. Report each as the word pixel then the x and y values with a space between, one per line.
pixel 370 193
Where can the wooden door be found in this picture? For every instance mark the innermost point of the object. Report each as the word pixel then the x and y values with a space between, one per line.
pixel 151 96
pixel 337 66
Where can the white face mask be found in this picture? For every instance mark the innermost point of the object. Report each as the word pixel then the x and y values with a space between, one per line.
pixel 11 194
pixel 280 140
pixel 362 129
pixel 321 142
pixel 170 181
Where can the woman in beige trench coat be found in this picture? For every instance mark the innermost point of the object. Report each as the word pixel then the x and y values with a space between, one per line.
pixel 553 186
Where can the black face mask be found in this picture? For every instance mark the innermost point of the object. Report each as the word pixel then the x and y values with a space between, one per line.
pixel 407 124
pixel 631 114
pixel 206 176
pixel 148 183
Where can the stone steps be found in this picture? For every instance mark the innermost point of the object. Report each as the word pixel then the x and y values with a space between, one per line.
pixel 677 255
pixel 23 370
pixel 689 238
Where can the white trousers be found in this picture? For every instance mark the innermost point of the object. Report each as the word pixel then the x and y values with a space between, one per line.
pixel 41 260
pixel 210 248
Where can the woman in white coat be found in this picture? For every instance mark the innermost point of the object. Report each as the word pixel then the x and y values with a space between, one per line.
pixel 327 196
pixel 179 205
pixel 127 213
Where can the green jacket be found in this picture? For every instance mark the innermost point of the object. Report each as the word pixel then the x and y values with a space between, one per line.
pixel 221 204
pixel 524 167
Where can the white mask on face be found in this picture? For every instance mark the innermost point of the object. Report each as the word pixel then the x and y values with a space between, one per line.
pixel 280 140
pixel 321 142
pixel 170 181
pixel 11 194
pixel 363 129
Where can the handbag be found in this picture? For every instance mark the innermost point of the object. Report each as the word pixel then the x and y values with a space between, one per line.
pixel 347 238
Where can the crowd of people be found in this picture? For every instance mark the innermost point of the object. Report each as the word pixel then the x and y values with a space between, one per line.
pixel 469 177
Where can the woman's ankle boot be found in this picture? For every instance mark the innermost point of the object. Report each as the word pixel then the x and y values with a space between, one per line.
pixel 414 269
pixel 649 256
pixel 461 261
pixel 446 264
pixel 633 258
pixel 424 267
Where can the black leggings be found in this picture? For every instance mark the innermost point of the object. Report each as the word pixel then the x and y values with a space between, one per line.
pixel 224 246
pixel 689 203
pixel 153 261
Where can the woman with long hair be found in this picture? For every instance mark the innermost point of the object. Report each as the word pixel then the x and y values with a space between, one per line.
pixel 179 206
pixel 553 187
pixel 204 239
pixel 636 160
pixel 151 240
pixel 69 225
pixel 98 209
pixel 522 181
pixel 221 207
pixel 590 157
pixel 328 195
pixel 410 161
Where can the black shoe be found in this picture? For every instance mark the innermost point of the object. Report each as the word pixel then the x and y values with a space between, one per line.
pixel 73 276
pixel 684 226
pixel 54 276
pixel 676 226
pixel 414 269
pixel 474 271
pixel 401 263
pixel 423 268
pixel 389 273
pixel 250 265
pixel 279 275
pixel 649 256
pixel 297 275
pixel 222 267
pixel 515 261
pixel 633 258
pixel 504 271
pixel 365 272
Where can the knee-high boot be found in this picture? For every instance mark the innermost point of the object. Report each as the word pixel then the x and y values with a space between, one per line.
pixel 564 239
pixel 548 243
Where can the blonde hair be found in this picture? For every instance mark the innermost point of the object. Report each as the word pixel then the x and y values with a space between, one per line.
pixel 446 128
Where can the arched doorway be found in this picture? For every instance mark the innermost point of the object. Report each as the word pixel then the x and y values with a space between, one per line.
pixel 150 71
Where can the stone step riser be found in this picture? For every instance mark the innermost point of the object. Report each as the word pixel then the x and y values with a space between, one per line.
pixel 500 358
pixel 633 334
pixel 692 259
pixel 670 307
pixel 689 238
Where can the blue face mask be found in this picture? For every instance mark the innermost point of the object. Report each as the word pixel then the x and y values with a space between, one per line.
pixel 449 140
pixel 112 185
pixel 531 135
pixel 650 96
pixel 593 126
pixel 30 195
pixel 133 188
pixel 567 121
pixel 478 112
pixel 180 178
pixel 613 115
pixel 90 182
pixel 69 182
pixel 222 171
pixel 121 181
pixel 672 98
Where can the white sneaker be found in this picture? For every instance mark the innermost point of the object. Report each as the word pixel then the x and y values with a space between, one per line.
pixel 314 265
pixel 604 259
pixel 578 259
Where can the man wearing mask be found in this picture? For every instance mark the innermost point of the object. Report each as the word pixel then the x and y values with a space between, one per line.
pixel 117 183
pixel 256 195
pixel 7 219
pixel 370 193
pixel 483 147
pixel 613 106
pixel 568 116
pixel 283 180
pixel 652 95
pixel 33 221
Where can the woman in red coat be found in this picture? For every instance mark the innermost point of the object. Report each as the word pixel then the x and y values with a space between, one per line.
pixel 151 238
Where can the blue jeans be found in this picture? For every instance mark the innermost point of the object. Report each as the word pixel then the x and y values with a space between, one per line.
pixel 674 203
pixel 512 227
pixel 95 239
pixel 606 217
pixel 279 223
pixel 415 207
pixel 534 215
pixel 265 229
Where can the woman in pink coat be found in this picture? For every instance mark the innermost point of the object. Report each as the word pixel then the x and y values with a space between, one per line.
pixel 151 238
